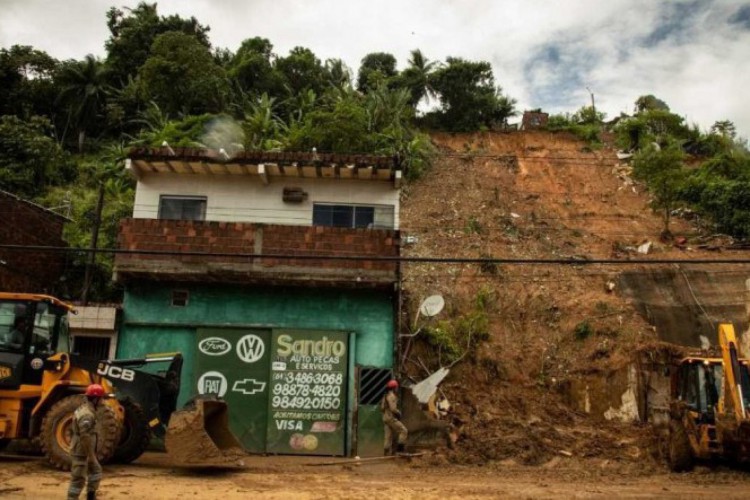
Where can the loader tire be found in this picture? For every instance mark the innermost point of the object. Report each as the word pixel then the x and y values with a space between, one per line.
pixel 679 453
pixel 136 434
pixel 57 431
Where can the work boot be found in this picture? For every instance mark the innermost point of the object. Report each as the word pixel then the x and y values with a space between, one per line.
pixel 401 448
pixel 91 495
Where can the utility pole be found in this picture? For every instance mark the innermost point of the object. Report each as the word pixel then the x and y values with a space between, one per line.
pixel 593 105
pixel 94 242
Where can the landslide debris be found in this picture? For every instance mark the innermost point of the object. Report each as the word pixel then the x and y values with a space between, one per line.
pixel 520 334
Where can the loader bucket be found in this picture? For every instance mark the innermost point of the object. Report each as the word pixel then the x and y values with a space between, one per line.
pixel 199 436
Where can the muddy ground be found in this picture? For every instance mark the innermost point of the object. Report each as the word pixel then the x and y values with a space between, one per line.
pixel 291 477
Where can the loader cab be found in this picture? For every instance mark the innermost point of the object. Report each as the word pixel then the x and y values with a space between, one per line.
pixel 698 385
pixel 32 328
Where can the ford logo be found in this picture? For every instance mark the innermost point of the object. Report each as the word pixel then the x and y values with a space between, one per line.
pixel 214 346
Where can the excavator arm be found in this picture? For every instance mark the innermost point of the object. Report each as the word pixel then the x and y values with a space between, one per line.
pixel 733 380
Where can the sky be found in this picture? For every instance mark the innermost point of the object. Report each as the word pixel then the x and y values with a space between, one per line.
pixel 693 54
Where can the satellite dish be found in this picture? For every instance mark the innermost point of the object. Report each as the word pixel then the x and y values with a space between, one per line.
pixel 432 305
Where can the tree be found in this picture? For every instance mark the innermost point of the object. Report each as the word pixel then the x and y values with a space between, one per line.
pixel 252 68
pixel 588 115
pixel 337 74
pixel 338 125
pixel 301 71
pixel 662 170
pixel 652 125
pixel 649 103
pixel 104 174
pixel 377 67
pixel 30 160
pixel 182 77
pixel 83 92
pixel 416 77
pixel 132 33
pixel 724 128
pixel 26 80
pixel 469 99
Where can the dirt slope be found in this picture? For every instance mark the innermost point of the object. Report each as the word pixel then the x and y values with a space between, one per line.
pixel 530 195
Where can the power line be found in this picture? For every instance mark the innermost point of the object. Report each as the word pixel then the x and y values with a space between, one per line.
pixel 436 260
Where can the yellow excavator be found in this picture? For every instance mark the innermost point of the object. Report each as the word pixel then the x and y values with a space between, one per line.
pixel 709 418
pixel 42 382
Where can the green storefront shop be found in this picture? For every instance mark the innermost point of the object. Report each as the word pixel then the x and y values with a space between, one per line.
pixel 285 359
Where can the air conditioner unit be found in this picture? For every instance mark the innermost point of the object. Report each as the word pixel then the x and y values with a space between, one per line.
pixel 293 195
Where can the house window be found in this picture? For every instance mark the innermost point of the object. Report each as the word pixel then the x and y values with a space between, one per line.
pixel 325 214
pixel 93 346
pixel 182 207
pixel 179 298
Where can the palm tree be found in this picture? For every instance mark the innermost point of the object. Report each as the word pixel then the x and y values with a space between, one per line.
pixel 417 77
pixel 338 74
pixel 84 92
pixel 387 108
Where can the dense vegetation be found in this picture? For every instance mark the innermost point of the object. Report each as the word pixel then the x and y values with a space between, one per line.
pixel 65 126
pixel 683 167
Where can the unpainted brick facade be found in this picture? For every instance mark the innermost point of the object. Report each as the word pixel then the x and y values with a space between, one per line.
pixel 247 240
pixel 533 120
pixel 24 223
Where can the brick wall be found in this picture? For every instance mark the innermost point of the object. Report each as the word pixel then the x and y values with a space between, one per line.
pixel 24 223
pixel 532 120
pixel 246 238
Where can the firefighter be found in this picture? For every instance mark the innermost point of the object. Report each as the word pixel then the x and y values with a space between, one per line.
pixel 391 416
pixel 85 467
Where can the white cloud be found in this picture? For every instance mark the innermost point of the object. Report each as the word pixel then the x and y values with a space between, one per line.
pixel 698 65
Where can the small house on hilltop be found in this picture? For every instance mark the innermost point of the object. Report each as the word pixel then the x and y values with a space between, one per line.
pixel 241 264
pixel 533 120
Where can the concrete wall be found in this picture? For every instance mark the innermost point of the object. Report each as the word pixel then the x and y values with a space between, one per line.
pixel 151 324
pixel 247 199
pixel 685 305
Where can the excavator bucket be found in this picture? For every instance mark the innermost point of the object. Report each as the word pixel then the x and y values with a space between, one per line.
pixel 199 436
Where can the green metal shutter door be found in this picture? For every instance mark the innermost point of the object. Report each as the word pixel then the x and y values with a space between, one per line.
pixel 235 364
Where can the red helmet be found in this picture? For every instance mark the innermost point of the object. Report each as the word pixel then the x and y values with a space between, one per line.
pixel 95 391
pixel 392 384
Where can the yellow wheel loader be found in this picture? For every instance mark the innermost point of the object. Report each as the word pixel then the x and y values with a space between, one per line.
pixel 709 418
pixel 42 382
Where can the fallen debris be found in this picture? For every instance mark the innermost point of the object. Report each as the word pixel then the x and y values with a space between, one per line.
pixel 358 460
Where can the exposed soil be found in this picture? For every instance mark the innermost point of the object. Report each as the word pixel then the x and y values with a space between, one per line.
pixel 290 477
pixel 199 436
pixel 555 332
pixel 538 195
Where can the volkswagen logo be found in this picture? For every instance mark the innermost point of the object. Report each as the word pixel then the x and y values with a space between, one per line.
pixel 250 348
pixel 214 346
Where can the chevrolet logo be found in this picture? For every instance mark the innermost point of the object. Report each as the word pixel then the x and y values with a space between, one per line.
pixel 248 386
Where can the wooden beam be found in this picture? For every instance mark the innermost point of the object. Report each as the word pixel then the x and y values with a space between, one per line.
pixel 262 173
pixel 364 172
pixel 347 172
pixel 170 166
pixel 311 171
